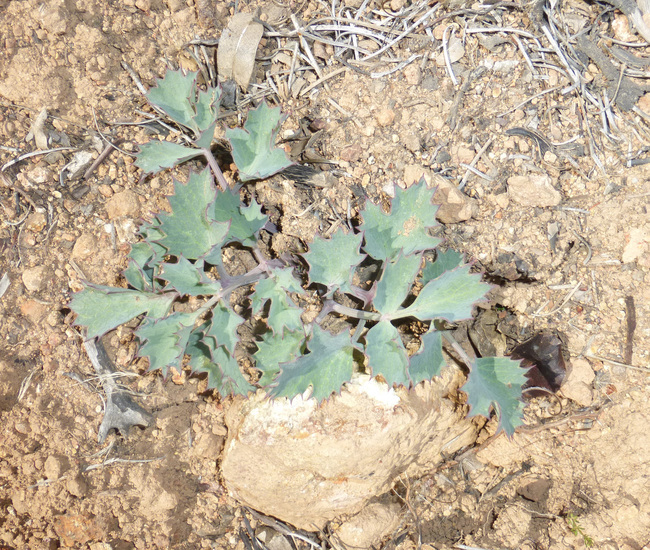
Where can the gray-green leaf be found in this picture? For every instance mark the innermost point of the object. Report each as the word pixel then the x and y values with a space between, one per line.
pixel 102 308
pixel 329 365
pixel 253 148
pixel 451 296
pixel 387 354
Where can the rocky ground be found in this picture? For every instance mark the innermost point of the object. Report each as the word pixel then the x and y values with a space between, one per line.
pixel 561 230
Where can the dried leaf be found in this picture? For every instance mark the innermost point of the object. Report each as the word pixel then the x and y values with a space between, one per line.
pixel 237 49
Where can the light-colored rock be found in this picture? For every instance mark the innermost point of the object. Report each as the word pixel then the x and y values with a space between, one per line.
pixel 85 247
pixel 36 222
pixel 533 190
pixel 638 244
pixel 306 463
pixel 578 382
pixel 385 117
pixel 459 154
pixel 121 204
pixel 455 206
pixel 369 526
pixel 413 74
pixel 34 278
pixel 55 466
pixel 644 103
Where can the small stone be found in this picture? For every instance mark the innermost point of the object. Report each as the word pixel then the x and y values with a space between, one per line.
pixel 413 74
pixel 207 445
pixel 621 28
pixel 34 278
pixel 550 157
pixel 124 203
pixel 36 222
pixel 54 467
pixel 385 117
pixel 77 486
pixel 413 173
pixel 55 19
pixel 21 428
pixel 144 5
pixel 351 153
pixel 578 382
pixel 462 154
pixel 105 190
pixel 84 247
pixel 533 190
pixel 34 311
pixel 38 174
pixel 455 206
pixel 178 378
pixel 368 130
pixel 19 502
pixel 638 244
pixel 502 200
pixel 644 103
pixel 76 530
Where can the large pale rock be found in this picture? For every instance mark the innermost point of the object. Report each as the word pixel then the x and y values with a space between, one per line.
pixel 307 464
pixel 535 190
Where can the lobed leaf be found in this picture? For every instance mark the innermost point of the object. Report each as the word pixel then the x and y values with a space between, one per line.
pixel 428 361
pixel 496 382
pixel 396 281
pixel 451 296
pixel 325 369
pixel 245 221
pixel 164 341
pixel 151 233
pixel 283 313
pixel 102 308
pixel 207 110
pixel 224 374
pixel 387 354
pixel 174 94
pixel 331 261
pixel 187 230
pixel 188 278
pixel 253 148
pixel 223 327
pixel 155 155
pixel 405 227
pixel 445 261
pixel 139 273
pixel 275 349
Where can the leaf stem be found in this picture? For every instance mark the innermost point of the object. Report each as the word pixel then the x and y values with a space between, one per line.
pixel 460 351
pixel 331 306
pixel 212 162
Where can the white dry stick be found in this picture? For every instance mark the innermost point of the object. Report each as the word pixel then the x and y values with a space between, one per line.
pixel 445 51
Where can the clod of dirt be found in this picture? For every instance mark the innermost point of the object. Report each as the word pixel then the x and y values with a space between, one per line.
pixel 307 464
pixel 535 490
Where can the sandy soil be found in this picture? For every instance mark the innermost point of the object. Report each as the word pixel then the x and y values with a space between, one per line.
pixel 577 266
